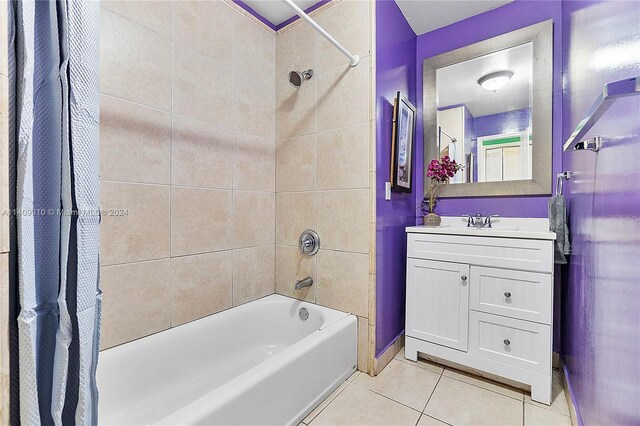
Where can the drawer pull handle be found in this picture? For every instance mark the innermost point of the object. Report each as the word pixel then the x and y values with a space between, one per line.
pixel 463 278
pixel 506 342
pixel 507 294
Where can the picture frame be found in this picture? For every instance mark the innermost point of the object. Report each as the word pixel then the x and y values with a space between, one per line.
pixel 402 144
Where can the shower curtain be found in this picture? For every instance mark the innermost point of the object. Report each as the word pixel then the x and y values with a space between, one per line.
pixel 54 52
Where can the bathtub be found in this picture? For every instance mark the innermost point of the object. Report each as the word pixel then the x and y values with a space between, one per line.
pixel 256 364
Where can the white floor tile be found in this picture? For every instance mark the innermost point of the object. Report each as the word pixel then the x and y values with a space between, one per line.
pixel 536 416
pixel 459 403
pixel 359 406
pixel 402 382
pixel 430 421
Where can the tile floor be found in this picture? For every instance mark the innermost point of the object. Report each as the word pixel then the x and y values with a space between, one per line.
pixel 425 393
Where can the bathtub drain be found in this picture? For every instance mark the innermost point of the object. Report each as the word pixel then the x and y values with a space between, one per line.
pixel 304 314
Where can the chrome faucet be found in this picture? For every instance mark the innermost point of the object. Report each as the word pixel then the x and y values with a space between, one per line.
pixel 477 222
pixel 305 282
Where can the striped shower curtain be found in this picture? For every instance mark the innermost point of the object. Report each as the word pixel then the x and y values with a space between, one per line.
pixel 54 94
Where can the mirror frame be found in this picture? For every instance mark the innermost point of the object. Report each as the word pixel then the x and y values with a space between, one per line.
pixel 541 36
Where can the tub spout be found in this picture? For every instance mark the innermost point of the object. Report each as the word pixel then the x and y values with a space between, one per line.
pixel 305 282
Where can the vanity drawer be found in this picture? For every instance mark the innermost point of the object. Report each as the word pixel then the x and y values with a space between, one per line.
pixel 516 294
pixel 523 344
pixel 511 253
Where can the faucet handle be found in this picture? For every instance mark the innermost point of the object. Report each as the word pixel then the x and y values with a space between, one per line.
pixel 487 220
pixel 469 218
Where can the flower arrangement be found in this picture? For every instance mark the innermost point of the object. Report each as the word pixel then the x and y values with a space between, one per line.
pixel 439 171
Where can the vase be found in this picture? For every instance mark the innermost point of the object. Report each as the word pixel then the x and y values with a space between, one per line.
pixel 432 219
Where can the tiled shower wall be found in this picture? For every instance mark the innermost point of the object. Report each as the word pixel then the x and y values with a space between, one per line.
pixel 4 218
pixel 324 164
pixel 187 163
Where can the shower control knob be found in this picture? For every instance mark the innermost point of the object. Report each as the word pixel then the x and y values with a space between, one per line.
pixel 309 242
pixel 506 342
pixel 507 294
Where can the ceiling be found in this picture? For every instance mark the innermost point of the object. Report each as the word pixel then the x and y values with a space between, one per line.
pixel 277 11
pixel 422 15
pixel 460 82
pixel 429 15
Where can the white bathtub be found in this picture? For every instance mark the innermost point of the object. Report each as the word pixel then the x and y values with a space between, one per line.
pixel 256 364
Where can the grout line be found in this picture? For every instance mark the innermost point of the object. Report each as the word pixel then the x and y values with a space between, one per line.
pixel 431 394
pixel 385 396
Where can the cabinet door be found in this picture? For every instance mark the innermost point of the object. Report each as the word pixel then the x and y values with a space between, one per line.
pixel 438 302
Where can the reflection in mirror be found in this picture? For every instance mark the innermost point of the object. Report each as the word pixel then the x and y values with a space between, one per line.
pixel 484 113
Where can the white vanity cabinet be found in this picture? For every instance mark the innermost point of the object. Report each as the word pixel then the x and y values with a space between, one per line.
pixel 483 299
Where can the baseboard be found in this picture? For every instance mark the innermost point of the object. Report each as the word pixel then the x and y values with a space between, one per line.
pixel 385 357
pixel 568 393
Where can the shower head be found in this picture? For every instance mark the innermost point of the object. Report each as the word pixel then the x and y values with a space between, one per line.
pixel 296 78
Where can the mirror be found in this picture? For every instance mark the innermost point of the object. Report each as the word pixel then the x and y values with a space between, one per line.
pixel 484 115
pixel 488 106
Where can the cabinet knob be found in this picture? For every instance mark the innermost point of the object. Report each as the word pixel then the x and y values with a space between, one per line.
pixel 506 342
pixel 507 294
pixel 463 278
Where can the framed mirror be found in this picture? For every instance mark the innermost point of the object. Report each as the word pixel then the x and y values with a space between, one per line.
pixel 489 107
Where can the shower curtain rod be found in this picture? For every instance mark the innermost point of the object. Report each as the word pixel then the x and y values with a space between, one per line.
pixel 353 59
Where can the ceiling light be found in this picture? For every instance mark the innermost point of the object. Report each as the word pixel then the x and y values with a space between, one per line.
pixel 495 80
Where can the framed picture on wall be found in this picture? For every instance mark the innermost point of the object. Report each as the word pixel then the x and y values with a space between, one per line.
pixel 402 141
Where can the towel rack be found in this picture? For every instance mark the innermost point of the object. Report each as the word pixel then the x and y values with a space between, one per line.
pixel 610 93
pixel 561 177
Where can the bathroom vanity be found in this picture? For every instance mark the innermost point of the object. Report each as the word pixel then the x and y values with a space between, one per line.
pixel 483 298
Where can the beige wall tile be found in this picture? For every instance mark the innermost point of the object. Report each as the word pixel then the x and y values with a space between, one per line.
pixel 343 280
pixel 343 220
pixel 363 344
pixel 295 212
pixel 136 301
pixel 135 62
pixel 254 107
pixel 295 51
pixel 349 22
pixel 254 163
pixel 292 266
pixel 4 158
pixel 253 218
pixel 254 50
pixel 200 285
pixel 201 220
pixel 253 273
pixel 206 26
pixel 296 164
pixel 4 336
pixel 343 158
pixel 202 154
pixel 140 234
pixel 155 15
pixel 135 142
pixel 202 88
pixel 296 110
pixel 343 96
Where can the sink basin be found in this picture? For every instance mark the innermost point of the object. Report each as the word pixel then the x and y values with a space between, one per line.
pixel 507 227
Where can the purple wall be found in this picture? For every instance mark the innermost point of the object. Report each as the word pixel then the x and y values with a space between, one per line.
pixel 601 298
pixel 505 122
pixel 518 14
pixel 395 70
